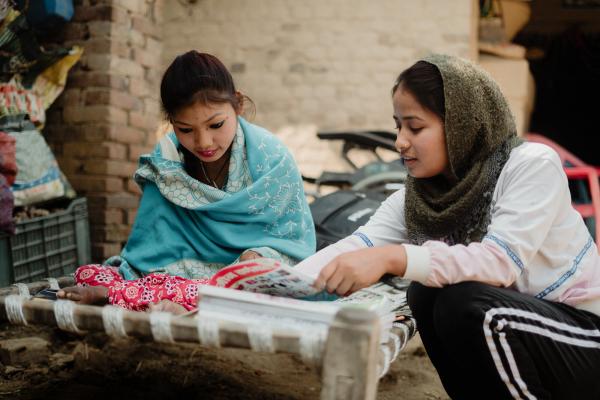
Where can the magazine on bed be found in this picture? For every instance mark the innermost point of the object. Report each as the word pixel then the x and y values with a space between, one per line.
pixel 265 275
pixel 271 292
pixel 247 308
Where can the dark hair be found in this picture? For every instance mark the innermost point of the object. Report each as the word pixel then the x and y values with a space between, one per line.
pixel 425 82
pixel 197 77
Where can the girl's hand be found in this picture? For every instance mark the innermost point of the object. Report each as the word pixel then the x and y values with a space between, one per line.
pixel 84 294
pixel 355 270
pixel 249 255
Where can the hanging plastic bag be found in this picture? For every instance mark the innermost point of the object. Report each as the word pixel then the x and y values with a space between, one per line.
pixel 51 82
pixel 38 178
pixel 8 172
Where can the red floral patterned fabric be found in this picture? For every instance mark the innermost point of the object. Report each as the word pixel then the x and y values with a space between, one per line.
pixel 138 294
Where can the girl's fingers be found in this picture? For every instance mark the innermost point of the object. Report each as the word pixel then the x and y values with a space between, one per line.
pixel 324 276
pixel 355 287
pixel 334 282
pixel 73 296
pixel 344 287
pixel 249 255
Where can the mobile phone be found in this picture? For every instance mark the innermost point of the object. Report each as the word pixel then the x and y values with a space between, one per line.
pixel 49 294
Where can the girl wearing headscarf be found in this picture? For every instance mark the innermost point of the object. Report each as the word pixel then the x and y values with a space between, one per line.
pixel 506 277
pixel 216 190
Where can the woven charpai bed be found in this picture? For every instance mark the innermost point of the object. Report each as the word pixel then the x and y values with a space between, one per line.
pixel 350 355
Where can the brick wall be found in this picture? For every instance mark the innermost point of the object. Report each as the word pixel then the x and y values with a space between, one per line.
pixel 107 115
pixel 320 65
pixel 330 63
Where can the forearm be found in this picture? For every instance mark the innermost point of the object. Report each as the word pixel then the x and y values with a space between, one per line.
pixel 395 258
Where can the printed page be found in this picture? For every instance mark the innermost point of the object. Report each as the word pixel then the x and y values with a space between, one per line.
pixel 381 297
pixel 272 321
pixel 264 275
pixel 235 302
pixel 387 301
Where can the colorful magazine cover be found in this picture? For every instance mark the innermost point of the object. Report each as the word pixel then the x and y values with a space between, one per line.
pixel 264 275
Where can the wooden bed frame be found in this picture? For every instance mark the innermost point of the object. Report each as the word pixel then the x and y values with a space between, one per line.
pixel 352 359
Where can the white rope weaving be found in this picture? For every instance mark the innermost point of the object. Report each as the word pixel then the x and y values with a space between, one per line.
pixel 64 312
pixel 208 331
pixel 387 360
pixel 53 283
pixel 312 345
pixel 261 338
pixel 390 352
pixel 407 336
pixel 112 318
pixel 160 324
pixel 14 309
pixel 23 289
pixel 397 346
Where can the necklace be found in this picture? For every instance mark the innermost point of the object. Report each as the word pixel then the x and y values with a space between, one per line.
pixel 208 179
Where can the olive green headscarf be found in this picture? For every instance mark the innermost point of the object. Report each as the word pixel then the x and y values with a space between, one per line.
pixel 480 133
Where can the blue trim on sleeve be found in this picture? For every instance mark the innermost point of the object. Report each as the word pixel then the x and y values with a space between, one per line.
pixel 567 274
pixel 508 250
pixel 364 238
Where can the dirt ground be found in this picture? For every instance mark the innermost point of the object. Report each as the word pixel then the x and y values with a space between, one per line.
pixel 96 367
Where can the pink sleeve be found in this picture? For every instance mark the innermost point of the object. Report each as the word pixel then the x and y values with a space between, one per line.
pixel 446 265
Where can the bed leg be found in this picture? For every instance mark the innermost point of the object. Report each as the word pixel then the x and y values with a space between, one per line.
pixel 350 359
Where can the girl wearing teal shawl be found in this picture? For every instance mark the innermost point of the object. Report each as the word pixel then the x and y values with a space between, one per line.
pixel 216 190
pixel 187 228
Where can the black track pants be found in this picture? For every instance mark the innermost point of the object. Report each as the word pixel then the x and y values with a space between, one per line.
pixel 495 343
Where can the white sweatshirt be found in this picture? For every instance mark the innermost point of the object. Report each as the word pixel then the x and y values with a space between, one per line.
pixel 537 243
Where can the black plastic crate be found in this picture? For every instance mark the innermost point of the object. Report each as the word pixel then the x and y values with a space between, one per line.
pixel 50 246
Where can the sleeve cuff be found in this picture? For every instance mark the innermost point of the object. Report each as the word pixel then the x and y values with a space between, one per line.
pixel 418 266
